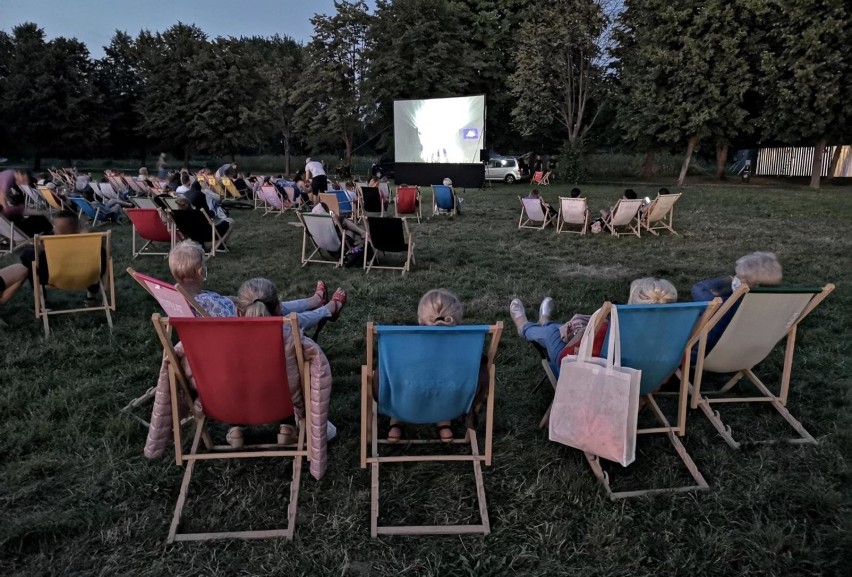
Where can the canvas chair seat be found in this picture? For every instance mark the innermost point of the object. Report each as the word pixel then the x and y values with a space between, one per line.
pixel 197 225
pixel 34 199
pixel 13 234
pixel 52 200
pixel 763 317
pixel 659 214
pixel 74 264
pixel 408 202
pixel 371 201
pixel 625 215
pixel 148 225
pixel 97 212
pixel 326 235
pixel 426 375
pixel 444 200
pixel 573 211
pixel 533 214
pixel 249 387
pixel 142 202
pixel 272 201
pixel 386 235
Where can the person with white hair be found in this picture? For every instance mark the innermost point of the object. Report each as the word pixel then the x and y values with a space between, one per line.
pixel 459 200
pixel 755 269
pixel 561 340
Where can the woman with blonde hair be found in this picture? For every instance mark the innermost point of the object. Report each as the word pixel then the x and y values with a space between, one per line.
pixel 438 307
pixel 561 340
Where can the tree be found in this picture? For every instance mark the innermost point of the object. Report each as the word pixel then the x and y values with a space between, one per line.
pixel 558 72
pixel 330 92
pixel 117 76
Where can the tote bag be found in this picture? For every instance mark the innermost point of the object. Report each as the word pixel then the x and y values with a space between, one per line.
pixel 596 405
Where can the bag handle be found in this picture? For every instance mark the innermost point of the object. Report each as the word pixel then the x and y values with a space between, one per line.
pixel 584 354
pixel 613 356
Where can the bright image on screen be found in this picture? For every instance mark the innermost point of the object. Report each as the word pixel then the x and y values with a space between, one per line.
pixel 439 129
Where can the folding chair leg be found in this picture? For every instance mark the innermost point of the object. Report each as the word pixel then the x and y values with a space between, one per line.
pixel 106 305
pixel 716 420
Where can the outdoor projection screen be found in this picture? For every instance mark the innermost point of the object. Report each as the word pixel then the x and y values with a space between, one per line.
pixel 439 130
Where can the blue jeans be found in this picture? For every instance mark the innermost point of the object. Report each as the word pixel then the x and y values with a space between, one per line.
pixel 548 337
pixel 307 318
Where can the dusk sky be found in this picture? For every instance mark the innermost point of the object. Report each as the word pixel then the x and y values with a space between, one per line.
pixel 95 21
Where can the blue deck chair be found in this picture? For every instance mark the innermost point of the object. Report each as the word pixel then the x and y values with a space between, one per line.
pixel 444 200
pixel 343 202
pixel 426 375
pixel 655 339
pixel 96 211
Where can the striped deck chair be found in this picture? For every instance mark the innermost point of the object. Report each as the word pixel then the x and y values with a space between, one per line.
pixel 250 387
pixel 444 200
pixel 573 211
pixel 656 339
pixel 763 317
pixel 386 235
pixel 149 227
pixel 15 236
pixel 425 375
pixel 408 202
pixel 74 264
pixel 625 216
pixel 533 214
pixel 659 214
pixel 327 237
pixel 272 201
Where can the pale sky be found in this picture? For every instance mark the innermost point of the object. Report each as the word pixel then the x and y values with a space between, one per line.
pixel 95 21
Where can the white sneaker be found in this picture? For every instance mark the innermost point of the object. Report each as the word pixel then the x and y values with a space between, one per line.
pixel 330 431
pixel 545 311
pixel 518 312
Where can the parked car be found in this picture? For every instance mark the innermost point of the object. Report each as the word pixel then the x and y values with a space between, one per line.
pixel 509 169
pixel 383 167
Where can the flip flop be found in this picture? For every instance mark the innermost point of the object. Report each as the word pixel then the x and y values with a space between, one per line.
pixel 444 439
pixel 395 439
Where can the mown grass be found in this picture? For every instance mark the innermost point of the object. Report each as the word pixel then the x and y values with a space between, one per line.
pixel 78 497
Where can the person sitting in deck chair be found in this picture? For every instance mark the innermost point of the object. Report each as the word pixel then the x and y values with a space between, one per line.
pixel 351 229
pixel 599 224
pixel 65 222
pixel 459 200
pixel 200 200
pixel 549 210
pixel 438 307
pixel 561 340
pixel 754 269
pixel 188 267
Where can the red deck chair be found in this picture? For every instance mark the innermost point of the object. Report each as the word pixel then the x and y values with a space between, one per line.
pixel 148 226
pixel 408 202
pixel 244 387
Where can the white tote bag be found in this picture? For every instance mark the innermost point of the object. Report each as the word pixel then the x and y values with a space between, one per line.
pixel 596 405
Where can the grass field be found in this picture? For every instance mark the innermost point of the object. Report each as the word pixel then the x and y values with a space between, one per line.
pixel 77 497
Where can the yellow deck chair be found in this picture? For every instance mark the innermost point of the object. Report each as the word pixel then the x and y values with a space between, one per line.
pixel 74 263
pixel 53 203
pixel 230 189
pixel 215 186
pixel 572 211
pixel 659 214
pixel 762 319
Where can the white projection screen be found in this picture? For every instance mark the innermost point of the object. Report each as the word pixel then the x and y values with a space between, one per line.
pixel 439 130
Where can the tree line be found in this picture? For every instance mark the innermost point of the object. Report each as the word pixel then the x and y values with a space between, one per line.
pixel 560 76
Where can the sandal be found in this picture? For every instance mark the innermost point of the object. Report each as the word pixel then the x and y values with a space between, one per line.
pixel 395 438
pixel 339 296
pixel 444 438
pixel 287 435
pixel 235 437
pixel 322 292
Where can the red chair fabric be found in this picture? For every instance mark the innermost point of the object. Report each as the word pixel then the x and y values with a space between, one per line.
pixel 148 224
pixel 239 367
pixel 406 200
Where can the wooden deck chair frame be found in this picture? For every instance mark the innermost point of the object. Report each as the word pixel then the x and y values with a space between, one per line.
pixel 418 203
pixel 368 241
pixel 15 236
pixel 443 211
pixel 370 436
pixel 705 401
pixel 659 214
pixel 526 218
pixel 107 292
pixel 545 180
pixel 363 213
pixel 217 244
pixel 214 185
pixel 536 178
pixel 306 235
pixel 633 225
pixel 268 208
pixel 34 200
pixel 98 218
pixel 231 189
pixel 135 234
pixel 672 432
pixel 179 381
pixel 53 202
pixel 567 213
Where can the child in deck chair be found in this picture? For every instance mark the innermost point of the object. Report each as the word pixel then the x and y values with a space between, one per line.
pixel 754 269
pixel 440 307
pixel 561 340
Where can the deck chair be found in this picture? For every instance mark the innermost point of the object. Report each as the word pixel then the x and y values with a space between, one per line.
pixel 625 216
pixel 97 212
pixel 53 202
pixel 326 235
pixel 105 191
pixel 33 199
pixel 444 200
pixel 426 375
pixel 536 177
pixel 659 214
pixel 345 205
pixel 272 201
pixel 572 211
pixel 408 202
pixel 148 226
pixel 388 235
pixel 143 202
pixel 370 200
pixel 231 189
pixel 249 387
pixel 330 200
pixel 196 225
pixel 138 187
pixel 533 214
pixel 763 318
pixel 74 263
pixel 116 183
pixel 656 339
pixel 215 185
pixel 13 234
pixel 385 189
